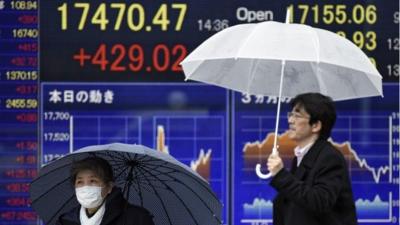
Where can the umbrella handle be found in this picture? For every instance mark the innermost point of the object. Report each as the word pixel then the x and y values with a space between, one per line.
pixel 258 166
pixel 260 174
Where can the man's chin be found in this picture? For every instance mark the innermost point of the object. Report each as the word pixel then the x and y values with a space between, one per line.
pixel 291 135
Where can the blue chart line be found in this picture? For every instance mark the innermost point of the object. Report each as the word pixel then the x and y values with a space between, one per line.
pixel 374 211
pixel 258 208
pixel 368 149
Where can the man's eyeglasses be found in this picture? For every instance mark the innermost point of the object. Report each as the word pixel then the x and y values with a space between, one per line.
pixel 296 115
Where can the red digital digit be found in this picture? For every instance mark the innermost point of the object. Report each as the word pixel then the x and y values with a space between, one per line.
pixel 118 48
pixel 181 52
pixel 136 57
pixel 161 51
pixel 100 58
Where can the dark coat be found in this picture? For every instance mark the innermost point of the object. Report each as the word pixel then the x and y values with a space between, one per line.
pixel 318 192
pixel 118 212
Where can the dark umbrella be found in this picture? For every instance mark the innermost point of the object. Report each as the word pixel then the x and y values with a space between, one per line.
pixel 170 190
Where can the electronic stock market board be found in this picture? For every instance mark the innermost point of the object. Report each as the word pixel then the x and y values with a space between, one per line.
pixel 109 72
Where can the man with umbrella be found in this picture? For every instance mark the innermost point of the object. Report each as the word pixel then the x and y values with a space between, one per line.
pixel 317 190
pixel 100 202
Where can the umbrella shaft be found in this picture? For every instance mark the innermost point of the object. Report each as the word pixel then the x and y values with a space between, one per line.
pixel 278 111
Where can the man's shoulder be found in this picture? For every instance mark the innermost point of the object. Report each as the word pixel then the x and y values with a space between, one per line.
pixel 331 156
pixel 328 148
pixel 330 152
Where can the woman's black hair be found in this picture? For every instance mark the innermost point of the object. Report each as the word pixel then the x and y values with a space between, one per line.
pixel 97 165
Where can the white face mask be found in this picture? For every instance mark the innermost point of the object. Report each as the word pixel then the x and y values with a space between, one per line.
pixel 89 196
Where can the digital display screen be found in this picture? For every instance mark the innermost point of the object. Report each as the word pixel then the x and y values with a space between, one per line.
pixel 146 40
pixel 18 105
pixel 133 49
pixel 367 136
pixel 187 121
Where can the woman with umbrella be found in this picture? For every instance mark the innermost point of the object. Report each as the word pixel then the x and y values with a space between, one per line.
pixel 100 202
pixel 172 192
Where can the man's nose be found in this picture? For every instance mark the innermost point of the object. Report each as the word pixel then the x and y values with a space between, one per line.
pixel 290 120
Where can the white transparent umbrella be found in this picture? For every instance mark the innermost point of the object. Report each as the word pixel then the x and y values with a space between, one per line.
pixel 283 60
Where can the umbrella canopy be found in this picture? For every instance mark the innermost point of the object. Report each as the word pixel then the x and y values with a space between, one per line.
pixel 170 190
pixel 248 58
pixel 283 60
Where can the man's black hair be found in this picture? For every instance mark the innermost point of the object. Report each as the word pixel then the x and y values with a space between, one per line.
pixel 320 108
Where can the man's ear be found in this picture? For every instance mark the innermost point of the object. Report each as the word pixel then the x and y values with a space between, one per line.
pixel 316 127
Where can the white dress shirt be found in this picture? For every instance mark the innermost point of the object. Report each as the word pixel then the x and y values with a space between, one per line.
pixel 301 152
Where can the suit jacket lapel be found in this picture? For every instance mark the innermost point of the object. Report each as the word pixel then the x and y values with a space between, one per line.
pixel 309 159
pixel 293 168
